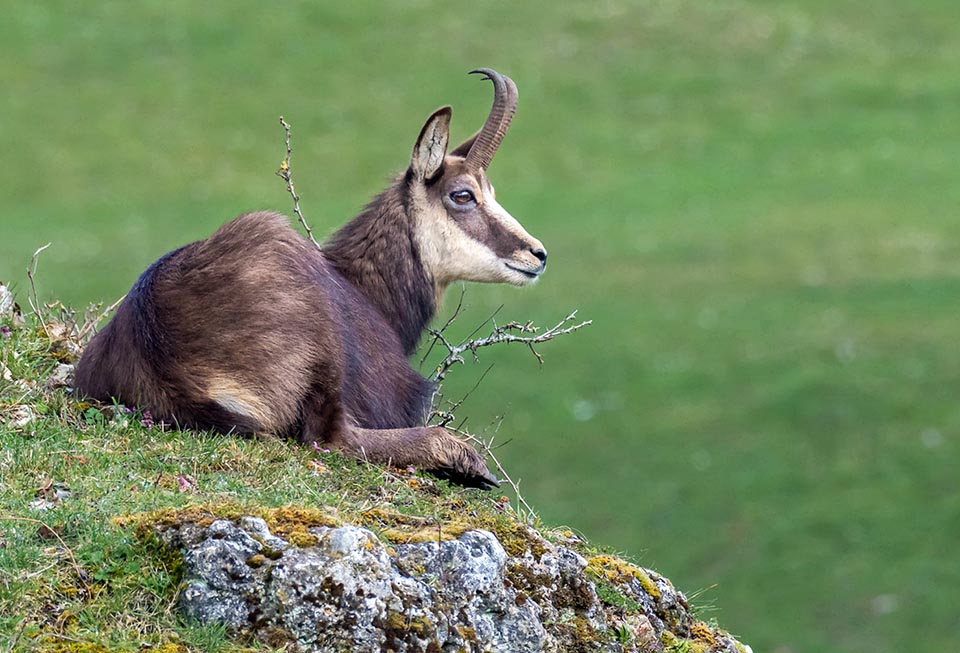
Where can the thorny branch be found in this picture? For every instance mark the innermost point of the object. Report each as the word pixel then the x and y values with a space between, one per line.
pixel 502 333
pixel 286 173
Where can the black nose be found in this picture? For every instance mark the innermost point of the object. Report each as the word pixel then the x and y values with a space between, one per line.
pixel 541 254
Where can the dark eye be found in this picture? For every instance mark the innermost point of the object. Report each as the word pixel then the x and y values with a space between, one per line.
pixel 462 197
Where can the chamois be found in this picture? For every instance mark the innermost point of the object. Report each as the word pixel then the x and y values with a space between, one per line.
pixel 255 330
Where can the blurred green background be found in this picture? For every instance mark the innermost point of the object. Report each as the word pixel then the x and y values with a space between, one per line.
pixel 754 201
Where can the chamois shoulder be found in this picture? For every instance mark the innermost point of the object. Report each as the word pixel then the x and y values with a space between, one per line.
pixel 246 240
pixel 256 228
pixel 256 222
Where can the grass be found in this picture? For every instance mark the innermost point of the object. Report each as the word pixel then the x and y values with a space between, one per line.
pixel 754 201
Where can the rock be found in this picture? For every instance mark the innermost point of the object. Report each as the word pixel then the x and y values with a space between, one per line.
pixel 60 377
pixel 63 342
pixel 343 589
pixel 469 578
pixel 222 584
pixel 20 417
pixel 8 307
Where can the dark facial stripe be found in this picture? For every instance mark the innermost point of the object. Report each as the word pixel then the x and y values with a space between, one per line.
pixel 486 229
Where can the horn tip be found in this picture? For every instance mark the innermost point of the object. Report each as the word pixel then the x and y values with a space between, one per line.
pixel 488 73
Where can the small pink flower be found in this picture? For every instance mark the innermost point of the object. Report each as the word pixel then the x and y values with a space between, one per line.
pixel 147 419
pixel 5 331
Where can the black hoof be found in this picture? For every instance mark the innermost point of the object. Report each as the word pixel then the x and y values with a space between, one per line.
pixel 482 482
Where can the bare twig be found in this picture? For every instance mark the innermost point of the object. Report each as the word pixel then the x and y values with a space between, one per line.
pixel 91 323
pixel 490 318
pixel 286 173
pixel 448 416
pixel 523 509
pixel 505 333
pixel 81 575
pixel 446 325
pixel 35 299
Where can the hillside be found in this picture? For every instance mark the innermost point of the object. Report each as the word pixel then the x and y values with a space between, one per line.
pixel 117 534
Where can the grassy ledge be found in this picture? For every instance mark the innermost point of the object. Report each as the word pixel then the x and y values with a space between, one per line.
pixel 87 486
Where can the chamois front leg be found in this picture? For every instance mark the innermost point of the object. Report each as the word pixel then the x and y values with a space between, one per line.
pixel 431 448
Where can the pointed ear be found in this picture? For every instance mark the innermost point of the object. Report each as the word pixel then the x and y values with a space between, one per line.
pixel 464 147
pixel 431 145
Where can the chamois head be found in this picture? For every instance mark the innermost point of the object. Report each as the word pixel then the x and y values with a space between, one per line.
pixel 462 232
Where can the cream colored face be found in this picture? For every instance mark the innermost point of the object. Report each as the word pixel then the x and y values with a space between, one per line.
pixel 462 232
pixel 465 235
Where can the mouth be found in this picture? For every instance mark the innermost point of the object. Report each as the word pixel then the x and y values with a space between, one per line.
pixel 530 274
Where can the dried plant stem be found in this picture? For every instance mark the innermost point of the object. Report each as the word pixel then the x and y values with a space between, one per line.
pixel 449 415
pixel 523 509
pixel 92 323
pixel 286 173
pixel 500 334
pixel 73 561
pixel 446 325
pixel 35 299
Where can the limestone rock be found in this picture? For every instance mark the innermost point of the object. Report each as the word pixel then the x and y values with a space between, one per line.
pixel 343 589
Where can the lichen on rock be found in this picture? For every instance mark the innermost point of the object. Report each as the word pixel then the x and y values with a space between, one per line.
pixel 345 589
